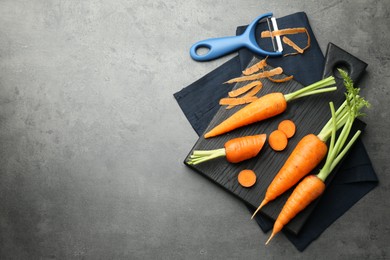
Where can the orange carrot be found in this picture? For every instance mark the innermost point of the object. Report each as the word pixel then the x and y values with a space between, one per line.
pixel 310 188
pixel 278 140
pixel 264 107
pixel 308 153
pixel 287 127
pixel 246 178
pixel 311 149
pixel 268 106
pixel 235 150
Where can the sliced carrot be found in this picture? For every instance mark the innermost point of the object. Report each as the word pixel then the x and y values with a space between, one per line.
pixel 260 75
pixel 289 42
pixel 247 178
pixel 287 127
pixel 256 67
pixel 281 80
pixel 278 140
pixel 243 89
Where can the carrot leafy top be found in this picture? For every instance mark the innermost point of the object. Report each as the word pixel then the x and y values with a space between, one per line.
pixel 343 117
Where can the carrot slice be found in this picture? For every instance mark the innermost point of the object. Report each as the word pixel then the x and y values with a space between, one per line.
pixel 278 140
pixel 243 89
pixel 260 75
pixel 247 178
pixel 256 67
pixel 287 127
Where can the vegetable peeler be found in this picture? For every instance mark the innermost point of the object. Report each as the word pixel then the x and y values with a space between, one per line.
pixel 218 47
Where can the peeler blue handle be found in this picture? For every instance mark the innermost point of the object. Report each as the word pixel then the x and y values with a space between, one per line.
pixel 218 47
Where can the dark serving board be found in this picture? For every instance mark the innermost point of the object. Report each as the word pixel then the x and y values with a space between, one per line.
pixel 309 114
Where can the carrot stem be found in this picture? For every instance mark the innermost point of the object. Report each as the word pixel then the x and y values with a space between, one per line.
pixel 199 156
pixel 311 88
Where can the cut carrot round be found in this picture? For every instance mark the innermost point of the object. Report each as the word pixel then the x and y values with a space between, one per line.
pixel 247 178
pixel 288 127
pixel 278 140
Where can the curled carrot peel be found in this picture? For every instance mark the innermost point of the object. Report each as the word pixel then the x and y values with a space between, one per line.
pixel 256 67
pixel 235 150
pixel 290 31
pixel 288 78
pixel 268 106
pixel 236 101
pixel 302 161
pixel 289 42
pixel 260 75
pixel 249 97
pixel 239 91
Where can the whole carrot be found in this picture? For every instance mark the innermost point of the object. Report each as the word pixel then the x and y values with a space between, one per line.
pixel 236 150
pixel 312 149
pixel 312 186
pixel 268 106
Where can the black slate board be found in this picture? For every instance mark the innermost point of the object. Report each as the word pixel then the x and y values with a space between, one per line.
pixel 309 114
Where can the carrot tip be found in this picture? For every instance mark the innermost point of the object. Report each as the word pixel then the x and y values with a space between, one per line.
pixel 261 205
pixel 269 239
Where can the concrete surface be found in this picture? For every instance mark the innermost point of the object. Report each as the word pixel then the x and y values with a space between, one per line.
pixel 92 140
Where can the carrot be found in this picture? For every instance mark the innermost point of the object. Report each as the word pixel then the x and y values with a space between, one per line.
pixel 246 178
pixel 312 186
pixel 235 150
pixel 278 140
pixel 308 153
pixel 268 106
pixel 311 149
pixel 287 127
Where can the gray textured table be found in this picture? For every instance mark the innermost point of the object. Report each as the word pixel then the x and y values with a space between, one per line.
pixel 92 140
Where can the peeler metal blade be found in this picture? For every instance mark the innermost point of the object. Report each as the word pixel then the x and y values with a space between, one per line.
pixel 276 41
